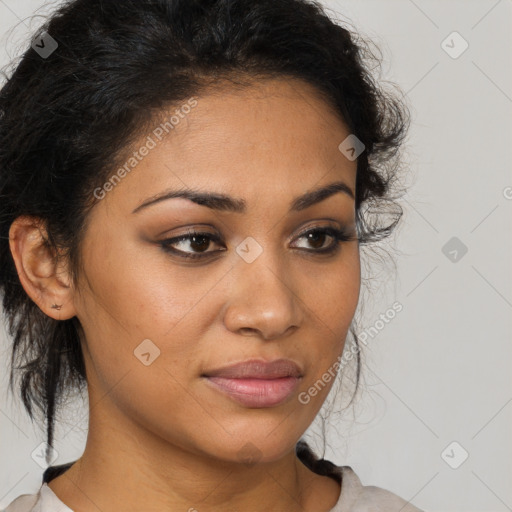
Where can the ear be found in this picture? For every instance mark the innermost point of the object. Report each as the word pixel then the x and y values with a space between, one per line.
pixel 46 280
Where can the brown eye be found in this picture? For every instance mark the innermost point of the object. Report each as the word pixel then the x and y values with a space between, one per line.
pixel 197 242
pixel 318 236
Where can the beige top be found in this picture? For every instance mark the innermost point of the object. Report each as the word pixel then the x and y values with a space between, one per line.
pixel 354 497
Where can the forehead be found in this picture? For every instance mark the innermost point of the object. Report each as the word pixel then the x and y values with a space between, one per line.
pixel 281 115
pixel 273 136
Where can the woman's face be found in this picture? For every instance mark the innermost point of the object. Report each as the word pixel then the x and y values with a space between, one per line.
pixel 155 322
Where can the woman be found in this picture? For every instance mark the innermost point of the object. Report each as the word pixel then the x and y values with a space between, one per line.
pixel 184 187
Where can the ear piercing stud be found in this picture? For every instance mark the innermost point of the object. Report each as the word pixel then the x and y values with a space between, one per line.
pixel 56 306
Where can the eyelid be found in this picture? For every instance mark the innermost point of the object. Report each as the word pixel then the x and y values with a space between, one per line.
pixel 337 234
pixel 194 228
pixel 198 229
pixel 310 227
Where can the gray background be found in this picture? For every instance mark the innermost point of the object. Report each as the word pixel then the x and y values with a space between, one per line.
pixel 439 372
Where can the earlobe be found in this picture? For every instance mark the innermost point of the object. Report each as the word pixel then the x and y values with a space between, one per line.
pixel 46 280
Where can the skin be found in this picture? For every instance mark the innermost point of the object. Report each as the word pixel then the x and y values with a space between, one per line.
pixel 159 437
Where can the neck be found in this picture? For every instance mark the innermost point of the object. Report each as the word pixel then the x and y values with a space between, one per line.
pixel 126 467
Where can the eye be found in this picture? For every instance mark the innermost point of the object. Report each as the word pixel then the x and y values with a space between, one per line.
pixel 197 241
pixel 318 236
pixel 200 242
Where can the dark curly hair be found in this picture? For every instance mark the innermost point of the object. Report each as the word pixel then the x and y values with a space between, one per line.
pixel 67 119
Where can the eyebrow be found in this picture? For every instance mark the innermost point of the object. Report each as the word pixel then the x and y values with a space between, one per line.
pixel 223 202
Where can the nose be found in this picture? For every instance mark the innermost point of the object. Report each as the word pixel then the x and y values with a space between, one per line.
pixel 263 300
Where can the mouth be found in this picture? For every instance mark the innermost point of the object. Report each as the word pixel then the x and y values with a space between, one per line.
pixel 257 369
pixel 256 392
pixel 256 383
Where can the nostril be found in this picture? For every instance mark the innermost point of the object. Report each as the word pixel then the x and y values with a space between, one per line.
pixel 247 330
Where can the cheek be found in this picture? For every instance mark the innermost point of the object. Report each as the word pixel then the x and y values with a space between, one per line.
pixel 136 294
pixel 136 287
pixel 332 304
pixel 332 293
pixel 140 320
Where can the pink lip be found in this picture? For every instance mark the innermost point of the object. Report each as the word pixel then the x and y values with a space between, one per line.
pixel 257 369
pixel 257 383
pixel 256 392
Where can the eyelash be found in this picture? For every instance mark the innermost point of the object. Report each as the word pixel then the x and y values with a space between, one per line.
pixel 338 236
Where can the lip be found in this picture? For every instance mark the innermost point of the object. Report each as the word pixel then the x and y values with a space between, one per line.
pixel 256 383
pixel 257 369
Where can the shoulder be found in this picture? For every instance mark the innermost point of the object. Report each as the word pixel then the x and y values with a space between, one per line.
pixel 23 503
pixel 44 501
pixel 356 497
